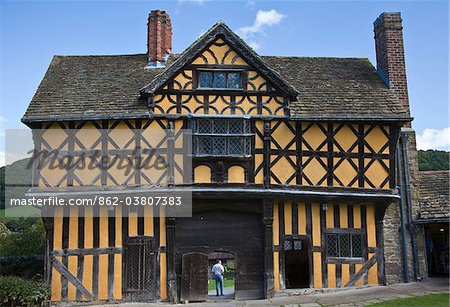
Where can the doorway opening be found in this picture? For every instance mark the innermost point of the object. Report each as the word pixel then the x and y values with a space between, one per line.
pixel 437 248
pixel 296 263
pixel 229 263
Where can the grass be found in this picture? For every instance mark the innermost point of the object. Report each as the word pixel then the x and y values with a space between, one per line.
pixel 435 300
pixel 226 283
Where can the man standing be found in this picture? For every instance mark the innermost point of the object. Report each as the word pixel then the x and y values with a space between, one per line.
pixel 218 270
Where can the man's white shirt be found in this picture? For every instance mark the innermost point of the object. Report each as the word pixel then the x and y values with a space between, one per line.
pixel 218 269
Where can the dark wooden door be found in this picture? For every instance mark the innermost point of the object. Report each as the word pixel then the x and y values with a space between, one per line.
pixel 194 277
pixel 139 269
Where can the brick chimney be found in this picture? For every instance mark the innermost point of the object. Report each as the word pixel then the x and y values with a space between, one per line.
pixel 391 55
pixel 159 38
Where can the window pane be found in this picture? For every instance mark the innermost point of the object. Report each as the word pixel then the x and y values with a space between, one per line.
pixel 298 245
pixel 356 246
pixel 205 79
pixel 204 146
pixel 234 80
pixel 220 126
pixel 204 126
pixel 287 245
pixel 235 146
pixel 219 80
pixel 236 127
pixel 344 245
pixel 219 146
pixel 332 245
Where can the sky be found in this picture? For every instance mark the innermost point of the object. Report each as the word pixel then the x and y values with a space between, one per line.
pixel 31 32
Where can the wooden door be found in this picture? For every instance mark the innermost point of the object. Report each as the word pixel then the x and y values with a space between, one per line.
pixel 139 269
pixel 194 277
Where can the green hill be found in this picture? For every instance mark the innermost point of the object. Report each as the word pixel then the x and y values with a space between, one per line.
pixel 434 160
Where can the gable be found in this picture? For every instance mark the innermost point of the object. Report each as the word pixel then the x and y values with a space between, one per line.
pixel 182 93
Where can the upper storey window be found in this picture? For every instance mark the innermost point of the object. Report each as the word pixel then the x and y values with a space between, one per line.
pixel 219 79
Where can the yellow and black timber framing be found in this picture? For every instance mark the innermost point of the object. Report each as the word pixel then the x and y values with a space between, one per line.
pixel 307 182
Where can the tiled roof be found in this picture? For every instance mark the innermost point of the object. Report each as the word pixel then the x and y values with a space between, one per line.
pixel 434 194
pixel 82 87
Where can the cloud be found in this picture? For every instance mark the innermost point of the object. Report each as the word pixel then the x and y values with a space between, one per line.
pixel 254 45
pixel 263 20
pixel 250 3
pixel 434 139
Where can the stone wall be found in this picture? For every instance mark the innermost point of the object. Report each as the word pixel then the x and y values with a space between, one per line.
pixel 392 225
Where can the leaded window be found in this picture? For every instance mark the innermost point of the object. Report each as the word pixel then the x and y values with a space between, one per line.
pixel 222 137
pixel 219 79
pixel 344 245
pixel 293 245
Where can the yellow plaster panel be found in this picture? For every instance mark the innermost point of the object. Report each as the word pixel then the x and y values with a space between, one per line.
pixel 87 272
pixel 343 216
pixel 55 136
pixel 56 284
pixel 371 230
pixel 276 270
pixel 314 137
pixel 346 138
pixel 314 171
pixel 88 135
pixel 317 259
pixel 57 232
pixel 148 221
pixel 118 276
pixel 331 275
pixel 72 266
pixel 103 277
pixel 376 139
pixel 132 224
pixel 202 174
pixel 283 136
pixel 376 173
pixel 287 218
pixel 301 219
pixel 282 169
pixel 345 274
pixel 236 174
pixel 88 227
pixel 154 135
pixel 315 211
pixel 345 172
pixel 330 216
pixel 122 136
pixel 372 278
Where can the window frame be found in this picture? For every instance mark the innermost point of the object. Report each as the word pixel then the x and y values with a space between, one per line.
pixel 226 71
pixel 351 234
pixel 246 136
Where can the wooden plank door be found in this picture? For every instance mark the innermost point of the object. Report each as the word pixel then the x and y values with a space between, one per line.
pixel 194 277
pixel 139 269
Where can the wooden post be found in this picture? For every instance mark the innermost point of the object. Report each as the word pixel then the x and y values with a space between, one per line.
pixel 269 290
pixel 266 149
pixel 171 274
